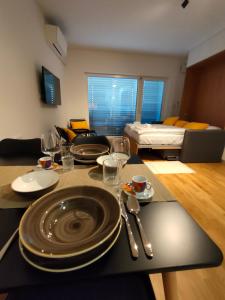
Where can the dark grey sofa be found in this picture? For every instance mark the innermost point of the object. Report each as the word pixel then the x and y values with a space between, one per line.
pixel 203 146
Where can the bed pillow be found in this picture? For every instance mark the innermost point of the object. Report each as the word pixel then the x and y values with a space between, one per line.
pixel 195 125
pixel 71 135
pixel 180 123
pixel 170 121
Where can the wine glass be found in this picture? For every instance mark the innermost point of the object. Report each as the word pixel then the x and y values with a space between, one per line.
pixel 120 149
pixel 50 144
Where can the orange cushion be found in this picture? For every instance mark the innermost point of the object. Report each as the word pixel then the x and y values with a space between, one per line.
pixel 79 125
pixel 180 123
pixel 195 125
pixel 71 135
pixel 170 121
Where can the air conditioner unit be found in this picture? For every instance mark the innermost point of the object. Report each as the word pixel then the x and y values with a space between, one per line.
pixel 56 41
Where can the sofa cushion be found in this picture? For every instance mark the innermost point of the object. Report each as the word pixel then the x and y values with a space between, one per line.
pixel 70 134
pixel 180 123
pixel 170 121
pixel 195 125
pixel 79 125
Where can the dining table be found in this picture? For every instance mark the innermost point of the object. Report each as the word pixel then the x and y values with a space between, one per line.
pixel 178 241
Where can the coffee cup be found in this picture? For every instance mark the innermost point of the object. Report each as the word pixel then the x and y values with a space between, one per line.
pixel 140 184
pixel 45 162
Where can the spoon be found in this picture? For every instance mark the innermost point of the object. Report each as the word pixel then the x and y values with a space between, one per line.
pixel 7 244
pixel 134 208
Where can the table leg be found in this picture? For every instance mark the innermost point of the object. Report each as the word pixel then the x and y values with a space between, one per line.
pixel 170 285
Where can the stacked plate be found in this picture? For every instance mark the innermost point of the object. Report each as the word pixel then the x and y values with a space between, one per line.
pixel 88 153
pixel 69 229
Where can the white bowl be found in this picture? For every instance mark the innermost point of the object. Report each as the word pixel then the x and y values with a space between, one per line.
pixel 35 181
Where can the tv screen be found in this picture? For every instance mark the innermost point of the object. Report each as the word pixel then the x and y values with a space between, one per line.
pixel 50 88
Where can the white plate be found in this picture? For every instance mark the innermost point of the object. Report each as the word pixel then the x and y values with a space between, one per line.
pixel 35 181
pixel 119 156
pixel 72 268
pixel 146 196
pixel 100 159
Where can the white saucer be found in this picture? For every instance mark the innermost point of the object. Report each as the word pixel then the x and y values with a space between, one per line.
pixel 52 167
pixel 146 196
pixel 35 181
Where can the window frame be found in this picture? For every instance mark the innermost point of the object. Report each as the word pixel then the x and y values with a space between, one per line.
pixel 151 78
pixel 140 89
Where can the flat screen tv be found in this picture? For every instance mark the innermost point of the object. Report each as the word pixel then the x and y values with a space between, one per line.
pixel 50 88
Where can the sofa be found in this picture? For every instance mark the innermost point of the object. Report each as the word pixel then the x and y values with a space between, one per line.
pixel 202 146
pixel 199 146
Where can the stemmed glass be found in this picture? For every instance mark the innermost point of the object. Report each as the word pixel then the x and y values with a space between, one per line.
pixel 50 144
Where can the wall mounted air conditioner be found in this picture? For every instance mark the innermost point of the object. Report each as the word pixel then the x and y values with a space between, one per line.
pixel 56 41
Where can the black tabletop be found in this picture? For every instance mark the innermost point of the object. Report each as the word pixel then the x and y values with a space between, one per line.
pixel 178 244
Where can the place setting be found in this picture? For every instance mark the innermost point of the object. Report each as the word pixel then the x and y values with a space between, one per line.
pixel 43 175
pixel 69 229
pixel 140 190
pixel 34 182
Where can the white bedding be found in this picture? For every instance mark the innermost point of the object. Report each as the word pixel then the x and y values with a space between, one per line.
pixel 155 134
pixel 154 128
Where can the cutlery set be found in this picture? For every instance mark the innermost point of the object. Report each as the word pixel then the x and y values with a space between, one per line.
pixel 133 207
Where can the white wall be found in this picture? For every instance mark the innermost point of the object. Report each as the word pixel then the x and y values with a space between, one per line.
pixel 23 50
pixel 81 61
pixel 208 48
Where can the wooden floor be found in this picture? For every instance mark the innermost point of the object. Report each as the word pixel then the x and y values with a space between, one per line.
pixel 202 194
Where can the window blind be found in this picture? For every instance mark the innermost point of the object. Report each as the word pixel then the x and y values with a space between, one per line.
pixel 112 103
pixel 152 100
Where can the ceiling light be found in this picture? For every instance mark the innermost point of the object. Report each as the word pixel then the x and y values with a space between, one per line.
pixel 185 3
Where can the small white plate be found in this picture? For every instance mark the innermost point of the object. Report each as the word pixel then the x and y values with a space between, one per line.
pixel 35 181
pixel 100 159
pixel 119 156
pixel 146 196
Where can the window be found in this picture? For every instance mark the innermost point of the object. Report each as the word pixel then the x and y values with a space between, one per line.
pixel 112 102
pixel 152 100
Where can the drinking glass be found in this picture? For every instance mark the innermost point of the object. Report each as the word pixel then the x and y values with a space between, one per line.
pixel 120 149
pixel 50 144
pixel 111 171
pixel 67 157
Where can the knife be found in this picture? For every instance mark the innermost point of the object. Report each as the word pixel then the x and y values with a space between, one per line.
pixel 133 245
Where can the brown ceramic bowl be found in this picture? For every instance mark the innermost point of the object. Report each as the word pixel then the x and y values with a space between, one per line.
pixel 67 264
pixel 69 222
pixel 89 151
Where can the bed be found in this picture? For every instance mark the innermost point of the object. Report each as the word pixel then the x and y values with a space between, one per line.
pixel 187 145
pixel 154 136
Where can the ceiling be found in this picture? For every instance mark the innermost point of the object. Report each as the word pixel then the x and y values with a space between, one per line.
pixel 158 26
